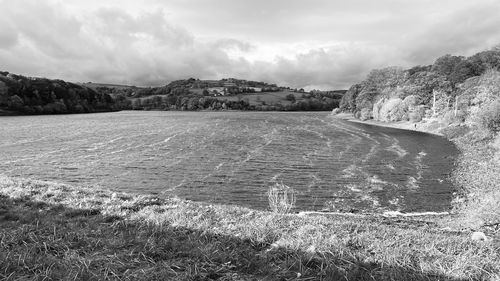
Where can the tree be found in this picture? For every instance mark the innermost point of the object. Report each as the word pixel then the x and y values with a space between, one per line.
pixel 446 64
pixel 16 102
pixel 389 77
pixel 290 97
pixel 136 104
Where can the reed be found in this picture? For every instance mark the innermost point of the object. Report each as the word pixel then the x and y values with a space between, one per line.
pixel 281 198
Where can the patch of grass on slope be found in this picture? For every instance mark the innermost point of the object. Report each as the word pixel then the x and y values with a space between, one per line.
pixel 52 231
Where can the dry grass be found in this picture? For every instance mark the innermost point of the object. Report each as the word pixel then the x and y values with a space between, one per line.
pixel 50 232
pixel 478 173
pixel 281 198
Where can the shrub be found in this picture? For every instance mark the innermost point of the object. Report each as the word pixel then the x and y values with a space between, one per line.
pixel 410 101
pixel 290 97
pixel 281 198
pixel 392 110
pixel 348 101
pixel 16 102
pixel 451 118
pixel 365 114
pixel 490 116
pixel 376 108
pixel 415 116
pixel 452 132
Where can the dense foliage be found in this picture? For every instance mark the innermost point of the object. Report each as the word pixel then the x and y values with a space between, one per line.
pixel 28 95
pixel 454 88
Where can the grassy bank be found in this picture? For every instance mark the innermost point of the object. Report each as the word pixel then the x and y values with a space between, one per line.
pixel 53 231
pixel 478 174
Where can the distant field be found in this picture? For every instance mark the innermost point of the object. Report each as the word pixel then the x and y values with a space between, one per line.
pixel 269 98
pixel 115 86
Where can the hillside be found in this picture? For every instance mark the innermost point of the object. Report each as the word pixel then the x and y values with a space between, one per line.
pixel 458 97
pixel 30 95
pixel 225 94
pixel 449 90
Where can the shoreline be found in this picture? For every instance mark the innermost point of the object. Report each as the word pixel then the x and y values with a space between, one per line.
pixel 476 171
pixel 63 230
pixel 402 125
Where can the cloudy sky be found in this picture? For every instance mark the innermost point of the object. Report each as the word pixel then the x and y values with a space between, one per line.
pixel 322 44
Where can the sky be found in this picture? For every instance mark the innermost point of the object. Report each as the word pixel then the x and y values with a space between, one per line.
pixel 311 44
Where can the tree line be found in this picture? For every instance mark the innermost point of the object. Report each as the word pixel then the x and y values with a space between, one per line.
pixel 45 96
pixel 452 89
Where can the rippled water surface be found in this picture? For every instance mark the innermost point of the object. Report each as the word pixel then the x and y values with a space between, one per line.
pixel 233 157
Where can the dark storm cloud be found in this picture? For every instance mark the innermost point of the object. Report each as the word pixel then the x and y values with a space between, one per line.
pixel 317 43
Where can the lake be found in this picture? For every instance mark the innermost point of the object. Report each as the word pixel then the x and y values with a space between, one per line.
pixel 233 158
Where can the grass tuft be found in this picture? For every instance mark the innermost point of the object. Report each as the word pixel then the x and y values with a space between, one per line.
pixel 281 198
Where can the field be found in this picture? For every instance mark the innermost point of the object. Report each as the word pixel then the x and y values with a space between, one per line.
pixel 264 98
pixel 261 98
pixel 113 86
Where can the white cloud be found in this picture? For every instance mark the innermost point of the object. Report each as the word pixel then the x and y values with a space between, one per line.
pixel 318 43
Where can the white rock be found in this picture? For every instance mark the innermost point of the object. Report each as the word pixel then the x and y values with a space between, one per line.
pixel 479 236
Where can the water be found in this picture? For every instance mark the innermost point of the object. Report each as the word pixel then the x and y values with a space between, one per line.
pixel 233 157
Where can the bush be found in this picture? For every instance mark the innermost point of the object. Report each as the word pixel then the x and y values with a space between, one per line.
pixel 415 116
pixel 348 101
pixel 451 118
pixel 392 110
pixel 281 198
pixel 490 116
pixel 410 101
pixel 452 132
pixel 290 97
pixel 16 102
pixel 365 114
pixel 376 108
